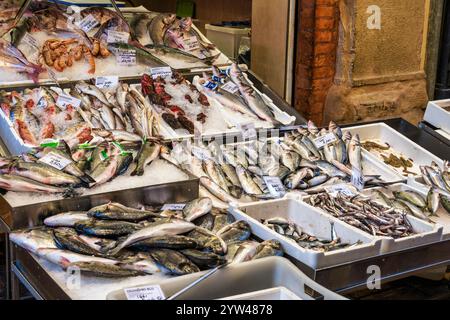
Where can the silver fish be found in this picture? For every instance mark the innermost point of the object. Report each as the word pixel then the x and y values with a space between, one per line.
pixel 66 219
pixel 197 208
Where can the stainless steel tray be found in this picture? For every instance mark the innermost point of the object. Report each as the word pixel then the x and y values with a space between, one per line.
pixel 29 216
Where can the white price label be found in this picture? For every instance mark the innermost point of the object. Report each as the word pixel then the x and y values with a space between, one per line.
pixel 117 37
pixel 162 72
pixel 248 131
pixel 357 179
pixel 173 206
pixel 110 82
pixel 66 100
pixel 31 41
pixel 191 44
pixel 88 23
pixel 201 154
pixel 55 160
pixel 275 186
pixel 126 57
pixel 325 140
pixel 334 190
pixel 230 87
pixel 145 293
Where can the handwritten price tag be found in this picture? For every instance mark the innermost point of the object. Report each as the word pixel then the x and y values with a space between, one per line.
pixel 126 57
pixel 117 37
pixel 145 293
pixel 107 82
pixel 275 186
pixel 325 140
pixel 248 131
pixel 55 160
pixel 65 100
pixel 230 87
pixel 340 188
pixel 162 72
pixel 201 154
pixel 31 41
pixel 88 23
pixel 174 206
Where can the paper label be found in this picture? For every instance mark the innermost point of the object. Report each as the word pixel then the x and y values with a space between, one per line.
pixel 162 72
pixel 52 75
pixel 55 160
pixel 66 100
pixel 117 37
pixel 357 179
pixel 191 44
pixel 275 186
pixel 126 57
pixel 211 85
pixel 31 41
pixel 201 153
pixel 325 140
pixel 248 131
pixel 174 206
pixel 340 188
pixel 107 82
pixel 145 293
pixel 230 87
pixel 88 23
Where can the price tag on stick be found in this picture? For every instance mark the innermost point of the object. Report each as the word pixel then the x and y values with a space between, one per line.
pixel 357 179
pixel 107 82
pixel 275 186
pixel 248 131
pixel 325 140
pixel 162 72
pixel 55 160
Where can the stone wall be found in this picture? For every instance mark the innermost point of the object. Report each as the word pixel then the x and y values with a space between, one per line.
pixel 379 63
pixel 316 55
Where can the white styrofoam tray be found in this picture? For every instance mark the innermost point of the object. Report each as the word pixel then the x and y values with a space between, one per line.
pixel 313 222
pixel 13 142
pixel 443 218
pixel 241 278
pixel 425 233
pixel 400 145
pixel 437 115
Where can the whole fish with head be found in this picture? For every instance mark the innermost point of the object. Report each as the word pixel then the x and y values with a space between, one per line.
pixel 208 240
pixel 197 208
pixel 173 261
pixel 148 153
pixel 268 248
pixel 66 219
pixel 253 99
pixel 167 242
pixel 173 227
pixel 106 229
pixel 65 258
pixel 247 183
pixel 237 231
pixel 245 252
pixel 204 260
pixel 33 239
pixel 158 27
pixel 68 239
pixel 22 184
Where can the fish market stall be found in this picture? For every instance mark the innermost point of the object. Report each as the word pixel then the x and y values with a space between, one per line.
pixel 134 153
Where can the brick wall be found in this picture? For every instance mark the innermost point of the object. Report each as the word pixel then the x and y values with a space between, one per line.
pixel 317 39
